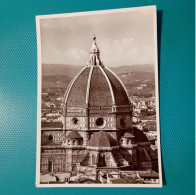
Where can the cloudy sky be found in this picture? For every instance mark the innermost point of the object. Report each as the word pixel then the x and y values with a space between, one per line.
pixel 123 38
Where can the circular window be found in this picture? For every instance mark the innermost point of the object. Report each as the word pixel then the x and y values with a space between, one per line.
pixel 50 138
pixel 99 122
pixel 75 121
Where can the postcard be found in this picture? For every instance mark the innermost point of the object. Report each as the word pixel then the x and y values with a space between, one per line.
pixel 98 99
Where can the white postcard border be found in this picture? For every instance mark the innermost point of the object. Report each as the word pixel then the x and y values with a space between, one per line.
pixel 39 89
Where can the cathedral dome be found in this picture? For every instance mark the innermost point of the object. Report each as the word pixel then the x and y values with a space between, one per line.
pixel 95 86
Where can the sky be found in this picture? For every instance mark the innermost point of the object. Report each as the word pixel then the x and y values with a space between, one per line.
pixel 123 38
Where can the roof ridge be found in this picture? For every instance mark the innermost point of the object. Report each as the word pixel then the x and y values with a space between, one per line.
pixel 119 81
pixel 74 133
pixel 109 83
pixel 89 85
pixel 104 134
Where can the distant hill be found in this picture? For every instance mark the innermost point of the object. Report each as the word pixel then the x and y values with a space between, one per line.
pixel 133 68
pixel 57 77
pixel 72 70
pixel 60 69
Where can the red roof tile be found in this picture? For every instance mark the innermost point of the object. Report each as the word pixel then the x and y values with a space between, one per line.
pixel 74 135
pixel 102 139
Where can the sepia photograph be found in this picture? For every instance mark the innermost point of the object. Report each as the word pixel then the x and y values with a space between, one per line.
pixel 98 99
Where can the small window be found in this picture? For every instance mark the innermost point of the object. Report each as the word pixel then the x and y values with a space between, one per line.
pixel 75 121
pixel 99 122
pixel 50 138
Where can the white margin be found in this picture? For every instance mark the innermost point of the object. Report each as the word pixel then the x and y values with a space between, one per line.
pixel 39 88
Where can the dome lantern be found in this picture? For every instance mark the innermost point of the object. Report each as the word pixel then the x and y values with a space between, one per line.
pixel 96 92
pixel 94 54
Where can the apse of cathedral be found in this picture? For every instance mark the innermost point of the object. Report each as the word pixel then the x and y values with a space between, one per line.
pixel 96 129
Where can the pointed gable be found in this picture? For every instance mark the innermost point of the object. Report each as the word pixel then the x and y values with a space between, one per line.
pixel 102 139
pixel 74 135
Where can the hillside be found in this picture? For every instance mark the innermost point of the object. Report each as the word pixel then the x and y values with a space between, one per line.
pixel 138 79
pixel 60 69
pixel 133 68
pixel 72 70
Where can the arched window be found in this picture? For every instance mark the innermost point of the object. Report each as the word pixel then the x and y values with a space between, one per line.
pixel 127 141
pixel 50 166
pixel 79 141
pixel 74 141
pixel 103 161
pixel 93 159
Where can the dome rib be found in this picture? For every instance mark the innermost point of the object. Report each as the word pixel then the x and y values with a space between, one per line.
pixel 99 91
pixel 116 77
pixel 110 86
pixel 118 80
pixel 89 85
pixel 71 84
